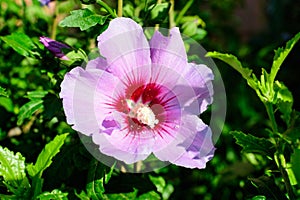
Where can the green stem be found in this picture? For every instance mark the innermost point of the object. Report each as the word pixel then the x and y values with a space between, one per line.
pixel 279 156
pixel 107 8
pixel 183 11
pixel 286 180
pixel 171 14
pixel 120 8
pixel 270 111
pixel 55 23
pixel 157 25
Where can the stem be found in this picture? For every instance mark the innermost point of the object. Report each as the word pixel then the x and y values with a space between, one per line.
pixel 157 25
pixel 270 111
pixel 55 23
pixel 286 180
pixel 183 11
pixel 171 14
pixel 120 8
pixel 279 156
pixel 107 8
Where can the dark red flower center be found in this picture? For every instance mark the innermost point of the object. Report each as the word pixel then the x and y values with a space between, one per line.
pixel 145 105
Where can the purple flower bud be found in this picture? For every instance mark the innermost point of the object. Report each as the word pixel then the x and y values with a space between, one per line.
pixel 45 2
pixel 55 47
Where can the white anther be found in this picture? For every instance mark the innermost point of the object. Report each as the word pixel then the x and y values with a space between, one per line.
pixel 146 116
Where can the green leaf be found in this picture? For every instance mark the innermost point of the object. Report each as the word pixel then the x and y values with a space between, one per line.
pixel 284 101
pixel 200 34
pixel 122 196
pixel 3 92
pixel 55 194
pixel 281 54
pixel 164 189
pixel 128 10
pixel 266 185
pixel 295 161
pixel 293 131
pixel 233 62
pixel 7 104
pixel 252 144
pixel 191 27
pixel 97 176
pixel 159 12
pixel 75 56
pixel 12 169
pixel 36 95
pixel 28 109
pixel 259 197
pixel 36 104
pixel 95 187
pixel 159 182
pixel 44 160
pixel 149 196
pixel 236 64
pixel 20 42
pixel 82 195
pixel 83 19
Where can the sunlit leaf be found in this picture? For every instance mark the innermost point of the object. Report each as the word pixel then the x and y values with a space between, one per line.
pixel 252 144
pixel 200 34
pixel 28 109
pixel 268 188
pixel 159 182
pixel 44 160
pixel 128 10
pixel 82 195
pixel 259 197
pixel 189 28
pixel 149 195
pixel 3 92
pixel 98 176
pixel 36 95
pixel 20 42
pixel 159 12
pixel 232 61
pixel 7 104
pixel 281 54
pixel 33 106
pixel 295 161
pixel 164 189
pixel 236 64
pixel 122 196
pixel 12 169
pixel 55 194
pixel 284 101
pixel 83 19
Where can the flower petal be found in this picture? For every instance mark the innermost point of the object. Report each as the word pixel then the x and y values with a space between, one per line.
pixel 84 98
pixel 168 51
pixel 98 63
pixel 125 48
pixel 199 153
pixel 193 146
pixel 179 85
pixel 121 144
pixel 200 79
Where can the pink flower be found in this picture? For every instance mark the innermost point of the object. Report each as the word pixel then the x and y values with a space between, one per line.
pixel 143 98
